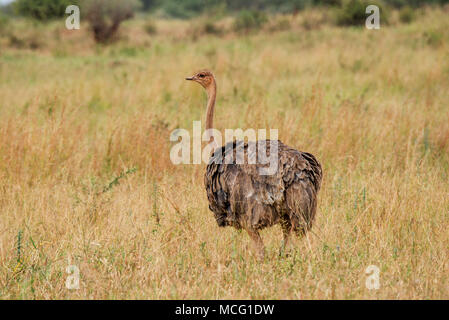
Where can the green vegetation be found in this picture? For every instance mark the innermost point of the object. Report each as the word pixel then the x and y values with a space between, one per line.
pixel 49 9
pixel 353 12
pixel 42 9
pixel 105 16
pixel 247 20
pixel 407 14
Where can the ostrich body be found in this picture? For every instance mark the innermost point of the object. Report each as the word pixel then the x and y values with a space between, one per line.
pixel 240 196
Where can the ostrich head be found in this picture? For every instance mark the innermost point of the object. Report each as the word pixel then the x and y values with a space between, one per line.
pixel 207 80
pixel 204 78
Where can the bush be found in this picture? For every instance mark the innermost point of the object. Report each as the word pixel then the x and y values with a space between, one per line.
pixel 353 13
pixel 42 9
pixel 415 3
pixel 4 23
pixel 149 5
pixel 247 20
pixel 433 38
pixel 327 2
pixel 211 28
pixel 150 28
pixel 183 9
pixel 406 14
pixel 105 16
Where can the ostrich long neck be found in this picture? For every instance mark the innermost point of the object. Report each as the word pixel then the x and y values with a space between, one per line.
pixel 211 95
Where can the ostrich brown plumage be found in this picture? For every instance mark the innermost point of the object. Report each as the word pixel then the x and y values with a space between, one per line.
pixel 241 197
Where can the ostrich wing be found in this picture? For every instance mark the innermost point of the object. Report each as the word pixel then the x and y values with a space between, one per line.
pixel 302 178
pixel 240 195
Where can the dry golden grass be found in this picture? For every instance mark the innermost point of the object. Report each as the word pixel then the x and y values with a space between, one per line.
pixel 371 105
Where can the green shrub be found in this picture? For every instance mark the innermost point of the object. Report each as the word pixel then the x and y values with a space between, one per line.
pixel 433 38
pixel 42 9
pixel 149 5
pixel 211 28
pixel 4 24
pixel 328 2
pixel 353 13
pixel 247 20
pixel 406 14
pixel 150 28
pixel 183 9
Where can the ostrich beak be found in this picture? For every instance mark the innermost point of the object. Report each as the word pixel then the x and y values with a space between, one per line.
pixel 190 78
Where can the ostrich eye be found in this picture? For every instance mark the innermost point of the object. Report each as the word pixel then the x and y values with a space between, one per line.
pixel 201 75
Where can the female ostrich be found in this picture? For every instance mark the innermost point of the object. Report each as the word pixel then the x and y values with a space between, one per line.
pixel 240 196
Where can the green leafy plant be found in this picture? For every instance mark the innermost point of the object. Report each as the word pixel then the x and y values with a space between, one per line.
pixel 150 28
pixel 353 12
pixel 433 38
pixel 247 20
pixel 407 14
pixel 42 10
pixel 4 24
pixel 116 180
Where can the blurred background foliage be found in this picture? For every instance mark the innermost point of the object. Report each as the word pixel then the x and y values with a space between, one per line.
pixel 49 9
pixel 104 17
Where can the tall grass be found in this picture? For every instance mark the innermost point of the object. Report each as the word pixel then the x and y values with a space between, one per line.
pixel 75 119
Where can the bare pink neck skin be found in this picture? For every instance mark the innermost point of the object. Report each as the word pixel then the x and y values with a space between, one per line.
pixel 211 95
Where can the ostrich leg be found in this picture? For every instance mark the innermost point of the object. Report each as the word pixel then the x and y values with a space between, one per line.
pixel 258 243
pixel 287 231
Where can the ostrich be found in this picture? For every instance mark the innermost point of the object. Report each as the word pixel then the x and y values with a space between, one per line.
pixel 240 196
